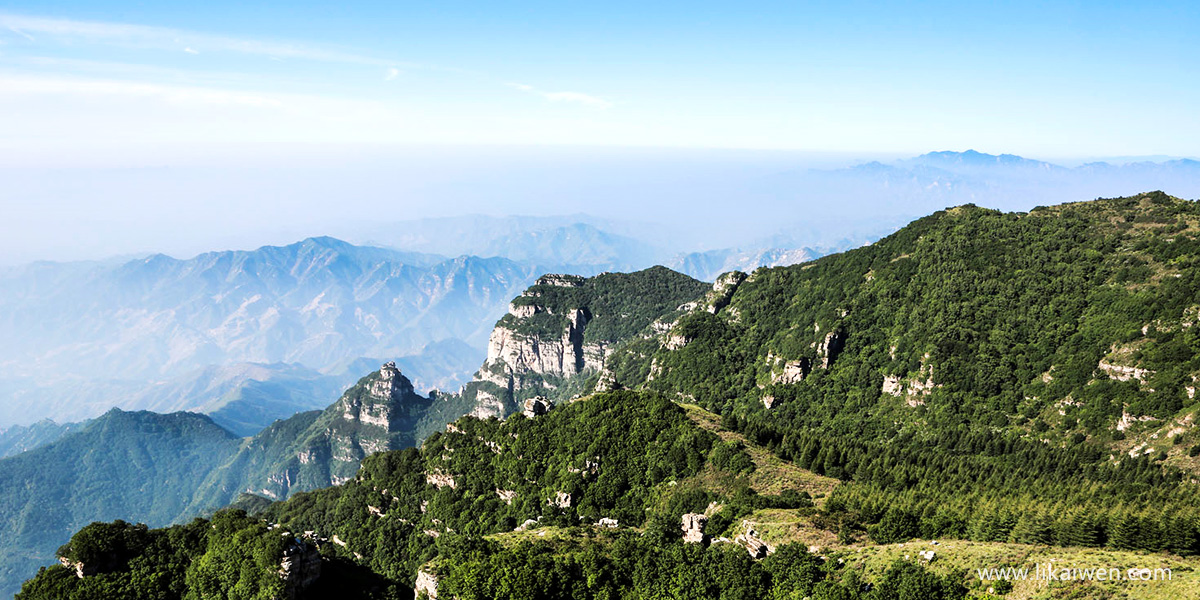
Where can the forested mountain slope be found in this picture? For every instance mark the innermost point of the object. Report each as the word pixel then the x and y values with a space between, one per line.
pixel 585 501
pixel 166 468
pixel 318 449
pixel 976 374
pixel 141 466
pixel 1010 379
pixel 558 333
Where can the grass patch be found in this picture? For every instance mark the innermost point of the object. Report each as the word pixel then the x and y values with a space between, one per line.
pixel 771 474
pixel 964 558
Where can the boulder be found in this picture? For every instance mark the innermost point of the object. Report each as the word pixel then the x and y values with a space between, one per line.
pixel 693 528
pixel 752 543
pixel 535 407
pixel 561 500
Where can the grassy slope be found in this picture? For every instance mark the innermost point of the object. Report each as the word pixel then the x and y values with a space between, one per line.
pixel 782 526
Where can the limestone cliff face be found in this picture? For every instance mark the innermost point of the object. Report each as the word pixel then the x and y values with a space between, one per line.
pixel 519 360
pixel 382 405
pixel 561 356
pixel 538 340
pixel 377 414
pixel 559 333
pixel 826 350
pixel 315 450
pixel 299 568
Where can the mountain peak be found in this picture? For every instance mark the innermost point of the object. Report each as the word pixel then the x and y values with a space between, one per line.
pixel 324 241
pixel 974 158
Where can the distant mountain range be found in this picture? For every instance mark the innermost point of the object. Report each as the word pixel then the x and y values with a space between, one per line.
pixel 566 241
pixel 1006 181
pixel 252 336
pixel 81 338
pixel 972 360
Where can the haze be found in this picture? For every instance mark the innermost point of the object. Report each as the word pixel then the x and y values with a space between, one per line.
pixel 231 125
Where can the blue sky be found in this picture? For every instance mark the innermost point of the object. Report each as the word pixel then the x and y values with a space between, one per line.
pixel 88 81
pixel 181 127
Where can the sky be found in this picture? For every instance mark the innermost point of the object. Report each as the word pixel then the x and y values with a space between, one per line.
pixel 237 86
pixel 1047 78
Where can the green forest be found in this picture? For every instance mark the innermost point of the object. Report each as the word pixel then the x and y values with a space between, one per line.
pixel 618 456
pixel 994 378
pixel 1004 319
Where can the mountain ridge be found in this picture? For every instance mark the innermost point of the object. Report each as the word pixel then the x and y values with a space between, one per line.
pixel 977 375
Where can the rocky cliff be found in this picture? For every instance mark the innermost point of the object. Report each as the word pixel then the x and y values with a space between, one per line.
pixel 318 449
pixel 557 335
pixel 543 338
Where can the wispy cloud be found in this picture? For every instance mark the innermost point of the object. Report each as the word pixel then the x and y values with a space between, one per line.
pixel 11 85
pixel 21 33
pixel 573 97
pixel 141 36
pixel 92 36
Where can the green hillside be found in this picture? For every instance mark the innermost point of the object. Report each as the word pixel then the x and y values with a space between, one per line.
pixel 163 469
pixel 317 449
pixel 986 374
pixel 632 457
pixel 132 465
pixel 1013 386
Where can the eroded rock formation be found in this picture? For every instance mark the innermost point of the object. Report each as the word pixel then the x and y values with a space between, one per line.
pixel 693 528
pixel 427 584
pixel 299 568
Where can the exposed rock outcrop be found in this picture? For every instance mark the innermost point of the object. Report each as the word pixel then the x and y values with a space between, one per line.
pixel 607 381
pixel 914 387
pixel 830 347
pixel 523 311
pixel 381 412
pixel 892 385
pixel 1127 420
pixel 81 570
pixel 441 480
pixel 427 583
pixel 560 499
pixel 1123 373
pixel 536 407
pixel 487 405
pixel 299 568
pixel 384 399
pixel 565 326
pixel 693 528
pixel 752 543
pixel 794 371
pixel 722 291
pixel 518 353
pixel 675 341
pixel 559 280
